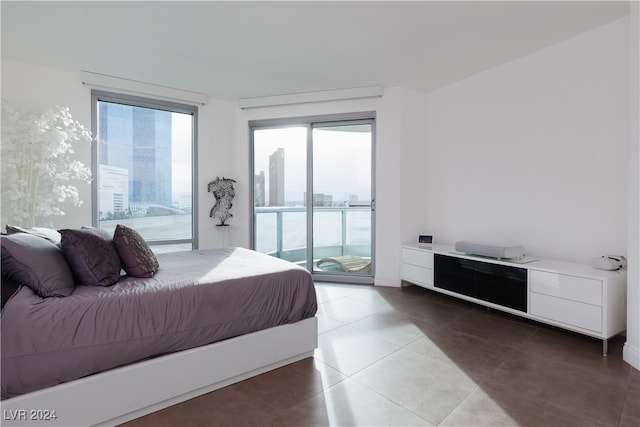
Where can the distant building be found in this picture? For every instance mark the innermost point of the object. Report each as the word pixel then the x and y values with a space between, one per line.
pixel 139 141
pixel 258 189
pixel 354 201
pixel 114 190
pixel 321 199
pixel 276 178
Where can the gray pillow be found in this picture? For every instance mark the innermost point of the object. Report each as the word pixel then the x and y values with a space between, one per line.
pixel 91 255
pixel 37 263
pixel 46 233
pixel 138 260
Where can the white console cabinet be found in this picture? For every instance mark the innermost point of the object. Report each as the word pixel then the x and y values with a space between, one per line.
pixel 572 296
pixel 417 266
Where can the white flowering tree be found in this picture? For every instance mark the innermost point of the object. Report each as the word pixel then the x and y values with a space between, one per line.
pixel 38 167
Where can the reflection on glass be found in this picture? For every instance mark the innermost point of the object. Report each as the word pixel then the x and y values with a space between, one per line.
pixel 341 197
pixel 145 177
pixel 280 181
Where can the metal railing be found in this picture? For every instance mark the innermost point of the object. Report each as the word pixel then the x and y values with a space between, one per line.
pixel 282 232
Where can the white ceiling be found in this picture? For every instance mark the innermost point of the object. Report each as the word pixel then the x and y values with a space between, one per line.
pixel 231 50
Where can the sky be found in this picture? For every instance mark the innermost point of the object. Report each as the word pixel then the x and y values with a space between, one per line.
pixel 342 161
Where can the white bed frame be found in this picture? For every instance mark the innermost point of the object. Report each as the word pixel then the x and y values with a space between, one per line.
pixel 122 394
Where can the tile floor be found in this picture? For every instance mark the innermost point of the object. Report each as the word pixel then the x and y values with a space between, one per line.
pixel 411 357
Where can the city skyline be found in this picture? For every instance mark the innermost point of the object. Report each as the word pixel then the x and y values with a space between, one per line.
pixel 144 158
pixel 277 191
pixel 342 165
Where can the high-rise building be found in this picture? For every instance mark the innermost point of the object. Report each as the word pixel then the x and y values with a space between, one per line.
pixel 138 140
pixel 114 191
pixel 258 189
pixel 276 178
pixel 321 199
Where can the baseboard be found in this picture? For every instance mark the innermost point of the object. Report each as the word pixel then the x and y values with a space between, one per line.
pixel 631 355
pixel 393 282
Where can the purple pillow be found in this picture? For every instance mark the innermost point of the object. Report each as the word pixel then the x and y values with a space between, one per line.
pixel 9 289
pixel 37 263
pixel 137 258
pixel 91 255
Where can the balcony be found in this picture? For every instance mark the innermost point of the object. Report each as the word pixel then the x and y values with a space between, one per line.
pixel 337 231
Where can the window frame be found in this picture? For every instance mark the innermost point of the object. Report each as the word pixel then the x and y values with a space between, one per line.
pixel 157 104
pixel 310 123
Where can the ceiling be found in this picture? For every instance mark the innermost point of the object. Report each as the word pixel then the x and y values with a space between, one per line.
pixel 231 50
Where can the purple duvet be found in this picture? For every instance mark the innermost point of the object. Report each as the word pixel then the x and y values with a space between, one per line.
pixel 196 298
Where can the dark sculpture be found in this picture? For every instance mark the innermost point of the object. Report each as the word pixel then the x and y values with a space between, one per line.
pixel 224 193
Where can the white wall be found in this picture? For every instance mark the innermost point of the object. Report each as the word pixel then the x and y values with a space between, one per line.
pixel 36 89
pixel 631 352
pixel 216 157
pixel 534 152
pixel 415 199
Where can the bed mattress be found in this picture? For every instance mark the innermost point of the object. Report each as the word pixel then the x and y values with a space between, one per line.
pixel 196 298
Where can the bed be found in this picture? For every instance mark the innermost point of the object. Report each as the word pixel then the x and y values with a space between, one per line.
pixel 107 354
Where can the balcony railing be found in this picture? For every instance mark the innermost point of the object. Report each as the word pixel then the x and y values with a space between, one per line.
pixel 282 232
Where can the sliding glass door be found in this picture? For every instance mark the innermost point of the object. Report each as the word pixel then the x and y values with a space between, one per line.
pixel 279 186
pixel 313 194
pixel 342 211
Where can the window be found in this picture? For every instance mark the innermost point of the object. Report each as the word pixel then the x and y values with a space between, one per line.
pixel 143 168
pixel 313 193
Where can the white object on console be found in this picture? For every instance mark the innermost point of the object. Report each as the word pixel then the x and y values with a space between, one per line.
pixel 609 262
pixel 488 249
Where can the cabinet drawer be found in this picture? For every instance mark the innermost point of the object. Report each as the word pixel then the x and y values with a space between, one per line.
pixel 418 275
pixel 416 257
pixel 570 287
pixel 569 312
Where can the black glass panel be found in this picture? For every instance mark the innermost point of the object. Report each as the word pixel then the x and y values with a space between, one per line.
pixel 496 283
pixel 501 284
pixel 454 274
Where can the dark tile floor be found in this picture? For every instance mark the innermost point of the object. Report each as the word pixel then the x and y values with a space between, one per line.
pixel 404 357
